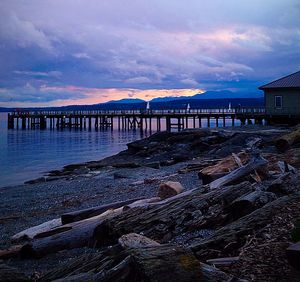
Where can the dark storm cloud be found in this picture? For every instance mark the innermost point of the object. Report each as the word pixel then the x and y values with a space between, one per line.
pixel 145 44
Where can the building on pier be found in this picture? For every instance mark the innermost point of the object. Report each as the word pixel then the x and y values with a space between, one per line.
pixel 282 97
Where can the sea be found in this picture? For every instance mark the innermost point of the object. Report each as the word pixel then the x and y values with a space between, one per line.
pixel 28 154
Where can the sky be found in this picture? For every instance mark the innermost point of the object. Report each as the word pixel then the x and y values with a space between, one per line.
pixel 55 52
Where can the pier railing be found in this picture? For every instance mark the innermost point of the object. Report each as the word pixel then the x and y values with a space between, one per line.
pixel 127 119
pixel 25 113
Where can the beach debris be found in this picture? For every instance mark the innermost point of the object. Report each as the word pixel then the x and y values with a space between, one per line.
pixel 285 142
pixel 134 240
pixel 227 261
pixel 31 232
pixel 223 167
pixel 169 189
pixel 90 212
pixel 255 163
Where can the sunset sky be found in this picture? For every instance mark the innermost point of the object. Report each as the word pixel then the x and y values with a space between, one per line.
pixel 62 52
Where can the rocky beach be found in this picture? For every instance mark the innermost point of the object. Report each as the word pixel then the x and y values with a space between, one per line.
pixel 206 205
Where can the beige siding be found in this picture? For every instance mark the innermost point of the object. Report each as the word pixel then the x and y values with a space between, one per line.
pixel 290 101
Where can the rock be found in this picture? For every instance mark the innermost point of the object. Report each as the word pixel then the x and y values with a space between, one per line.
pixel 118 175
pixel 169 189
pixel 126 165
pixel 133 240
pixel 37 180
pixel 72 167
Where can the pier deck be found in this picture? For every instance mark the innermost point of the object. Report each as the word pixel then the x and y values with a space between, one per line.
pixel 132 119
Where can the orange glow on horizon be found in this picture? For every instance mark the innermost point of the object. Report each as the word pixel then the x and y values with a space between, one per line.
pixel 102 95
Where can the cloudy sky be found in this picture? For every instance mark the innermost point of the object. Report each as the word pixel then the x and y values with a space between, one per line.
pixel 55 52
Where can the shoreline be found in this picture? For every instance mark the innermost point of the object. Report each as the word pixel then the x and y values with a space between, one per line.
pixel 132 173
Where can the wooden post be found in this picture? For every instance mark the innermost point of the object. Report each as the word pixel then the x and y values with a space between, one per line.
pixel 11 121
pixel 141 124
pixel 168 124
pixel 224 121
pixel 200 122
pixel 232 120
pixel 194 122
pixel 179 123
pixel 23 122
pixel 90 122
pixel 208 121
pixel 217 122
pixel 96 123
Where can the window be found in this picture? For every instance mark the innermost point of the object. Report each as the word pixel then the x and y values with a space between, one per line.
pixel 278 102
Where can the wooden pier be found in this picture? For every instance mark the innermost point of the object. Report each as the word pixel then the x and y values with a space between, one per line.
pixel 133 120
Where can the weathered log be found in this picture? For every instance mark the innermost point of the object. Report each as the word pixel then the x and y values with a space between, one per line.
pixel 228 239
pixel 72 235
pixel 250 202
pixel 284 142
pixel 90 212
pixel 163 220
pixel 10 252
pixel 31 232
pixel 223 261
pixel 160 263
pixel 285 167
pixel 213 274
pixel 169 189
pixel 10 274
pixel 133 240
pixel 223 167
pixel 255 163
pixel 198 166
pixel 287 183
pixel 142 203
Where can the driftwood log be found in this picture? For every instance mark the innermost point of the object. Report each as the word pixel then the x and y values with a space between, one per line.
pixel 231 237
pixel 284 142
pixel 223 167
pixel 90 212
pixel 163 220
pixel 160 263
pixel 10 274
pixel 10 252
pixel 250 202
pixel 30 233
pixel 255 163
pixel 72 235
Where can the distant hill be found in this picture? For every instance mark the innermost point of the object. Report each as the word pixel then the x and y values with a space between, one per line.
pixel 209 95
pixel 126 101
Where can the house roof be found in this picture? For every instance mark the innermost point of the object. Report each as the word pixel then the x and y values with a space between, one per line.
pixel 289 81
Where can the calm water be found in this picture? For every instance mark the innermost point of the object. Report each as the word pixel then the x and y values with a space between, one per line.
pixel 29 154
